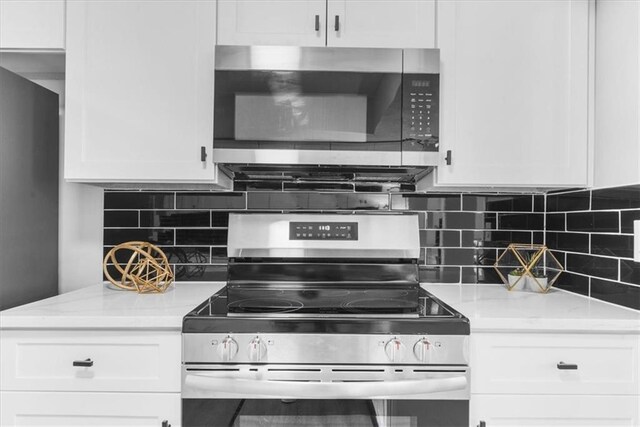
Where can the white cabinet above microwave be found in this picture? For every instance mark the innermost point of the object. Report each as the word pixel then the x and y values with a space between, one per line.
pixel 346 23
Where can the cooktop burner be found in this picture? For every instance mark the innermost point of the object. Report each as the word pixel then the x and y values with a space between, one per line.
pixel 265 305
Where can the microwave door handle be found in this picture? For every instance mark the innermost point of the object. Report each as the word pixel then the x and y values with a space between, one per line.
pixel 324 390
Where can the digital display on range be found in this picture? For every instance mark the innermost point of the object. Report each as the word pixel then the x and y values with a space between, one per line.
pixel 323 231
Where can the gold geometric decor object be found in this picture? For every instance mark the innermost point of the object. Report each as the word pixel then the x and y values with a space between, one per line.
pixel 528 267
pixel 146 271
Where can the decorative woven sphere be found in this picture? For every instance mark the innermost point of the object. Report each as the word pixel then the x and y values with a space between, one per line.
pixel 147 269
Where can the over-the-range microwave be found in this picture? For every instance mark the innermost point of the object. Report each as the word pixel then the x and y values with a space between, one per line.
pixel 284 107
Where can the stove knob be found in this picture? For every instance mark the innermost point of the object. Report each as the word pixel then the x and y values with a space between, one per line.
pixel 422 350
pixel 395 350
pixel 228 348
pixel 257 349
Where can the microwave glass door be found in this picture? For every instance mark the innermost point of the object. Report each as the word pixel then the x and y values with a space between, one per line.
pixel 295 109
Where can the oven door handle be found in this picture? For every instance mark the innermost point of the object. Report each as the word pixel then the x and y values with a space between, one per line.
pixel 324 390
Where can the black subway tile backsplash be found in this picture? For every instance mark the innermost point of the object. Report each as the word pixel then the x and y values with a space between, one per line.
pixel 606 268
pixel 187 255
pixel 494 238
pixel 629 271
pixel 574 283
pixel 556 222
pixel 461 220
pixel 607 222
pixel 626 220
pixel 533 221
pixel 616 198
pixel 479 275
pixel 157 236
pixel 497 203
pixel 175 218
pixel 564 202
pixel 439 274
pixel 440 238
pixel 138 200
pixel 202 236
pixel 121 219
pixel 538 203
pixel 616 293
pixel 210 200
pixel 572 242
pixel 461 234
pixel 614 245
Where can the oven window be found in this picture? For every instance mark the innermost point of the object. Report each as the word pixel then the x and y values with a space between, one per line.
pixel 307 412
pixel 264 107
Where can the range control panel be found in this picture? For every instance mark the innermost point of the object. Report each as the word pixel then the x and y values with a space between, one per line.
pixel 323 231
pixel 420 112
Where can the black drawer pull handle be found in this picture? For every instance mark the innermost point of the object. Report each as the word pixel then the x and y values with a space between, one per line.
pixel 203 154
pixel 567 366
pixel 337 23
pixel 317 22
pixel 87 363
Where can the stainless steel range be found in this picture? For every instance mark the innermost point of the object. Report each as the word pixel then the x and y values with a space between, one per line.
pixel 323 322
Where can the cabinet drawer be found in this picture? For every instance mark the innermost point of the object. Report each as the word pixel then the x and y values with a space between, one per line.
pixel 528 364
pixel 89 409
pixel 121 361
pixel 528 410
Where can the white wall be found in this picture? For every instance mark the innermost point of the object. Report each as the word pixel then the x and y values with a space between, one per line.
pixel 80 221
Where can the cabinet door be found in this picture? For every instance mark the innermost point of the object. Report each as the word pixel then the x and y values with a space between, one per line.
pixel 381 23
pixel 27 24
pixel 279 22
pixel 89 409
pixel 514 88
pixel 540 410
pixel 139 93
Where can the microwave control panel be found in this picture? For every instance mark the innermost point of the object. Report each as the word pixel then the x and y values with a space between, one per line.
pixel 420 110
pixel 323 231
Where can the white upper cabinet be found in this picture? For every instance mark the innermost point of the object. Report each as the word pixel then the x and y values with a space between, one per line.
pixel 29 24
pixel 617 107
pixel 348 23
pixel 280 22
pixel 514 92
pixel 139 92
pixel 375 23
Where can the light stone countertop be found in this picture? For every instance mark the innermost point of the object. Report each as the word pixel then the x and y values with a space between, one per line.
pixel 494 308
pixel 103 307
pixel 488 307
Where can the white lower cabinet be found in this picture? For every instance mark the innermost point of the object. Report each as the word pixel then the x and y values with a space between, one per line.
pixel 90 377
pixel 554 410
pixel 89 409
pixel 555 379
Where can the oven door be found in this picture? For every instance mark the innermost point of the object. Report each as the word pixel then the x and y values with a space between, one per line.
pixel 308 105
pixel 330 395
